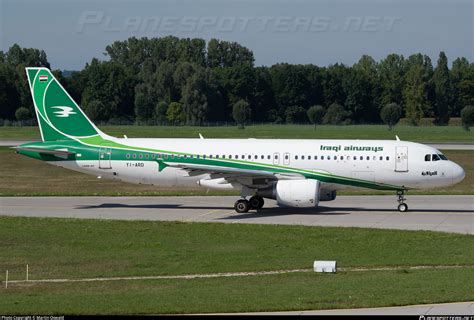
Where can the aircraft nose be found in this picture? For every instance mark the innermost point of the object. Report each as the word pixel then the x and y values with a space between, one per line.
pixel 458 173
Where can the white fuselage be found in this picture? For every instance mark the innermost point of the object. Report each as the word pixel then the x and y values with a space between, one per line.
pixel 399 163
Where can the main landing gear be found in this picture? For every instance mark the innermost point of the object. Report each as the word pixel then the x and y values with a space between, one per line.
pixel 254 203
pixel 402 206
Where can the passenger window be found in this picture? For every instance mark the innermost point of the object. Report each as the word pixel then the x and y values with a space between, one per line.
pixel 269 157
pixel 368 158
pixel 322 157
pixel 249 157
pixel 435 157
pixel 315 157
pixel 230 156
pixel 204 156
pixel 428 157
pixel 236 156
pixel 381 158
pixel 286 157
pixel 361 158
pixel 388 158
pixel 342 158
pixel 309 157
pixel 262 157
pixel 128 155
pixel 355 158
pixel 276 157
pixel 302 157
pixel 256 157
pixel 296 157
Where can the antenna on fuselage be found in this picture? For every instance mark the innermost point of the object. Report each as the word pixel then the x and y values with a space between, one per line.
pixel 200 136
pixel 398 139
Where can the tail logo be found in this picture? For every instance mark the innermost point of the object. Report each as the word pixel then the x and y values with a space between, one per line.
pixel 64 111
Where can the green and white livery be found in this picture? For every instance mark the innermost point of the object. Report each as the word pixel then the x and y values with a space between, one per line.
pixel 297 173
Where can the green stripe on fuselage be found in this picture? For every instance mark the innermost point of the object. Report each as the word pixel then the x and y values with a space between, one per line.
pixel 90 147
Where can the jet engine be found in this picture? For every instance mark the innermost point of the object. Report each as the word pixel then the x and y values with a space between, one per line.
pixel 294 193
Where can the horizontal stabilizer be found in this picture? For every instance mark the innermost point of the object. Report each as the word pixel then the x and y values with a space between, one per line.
pixel 61 153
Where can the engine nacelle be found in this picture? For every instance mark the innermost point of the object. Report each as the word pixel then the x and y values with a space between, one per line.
pixel 297 193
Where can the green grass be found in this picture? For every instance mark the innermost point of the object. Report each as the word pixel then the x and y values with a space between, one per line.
pixel 405 132
pixel 58 248
pixel 270 293
pixel 23 176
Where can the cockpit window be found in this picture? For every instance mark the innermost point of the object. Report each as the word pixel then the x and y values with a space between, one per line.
pixel 442 156
pixel 428 157
pixel 435 157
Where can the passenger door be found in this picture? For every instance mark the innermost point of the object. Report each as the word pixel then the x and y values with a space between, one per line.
pixel 401 159
pixel 105 157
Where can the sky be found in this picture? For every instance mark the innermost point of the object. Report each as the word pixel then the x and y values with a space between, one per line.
pixel 294 31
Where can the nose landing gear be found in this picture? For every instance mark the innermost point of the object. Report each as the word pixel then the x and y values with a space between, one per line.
pixel 402 206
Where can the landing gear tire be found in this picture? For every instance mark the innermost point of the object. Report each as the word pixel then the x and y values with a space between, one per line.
pixel 256 203
pixel 242 206
pixel 403 207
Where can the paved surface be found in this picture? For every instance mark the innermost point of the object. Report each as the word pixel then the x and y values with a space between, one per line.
pixel 440 146
pixel 435 213
pixel 444 309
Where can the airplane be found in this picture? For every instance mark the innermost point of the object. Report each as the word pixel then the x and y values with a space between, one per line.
pixel 296 173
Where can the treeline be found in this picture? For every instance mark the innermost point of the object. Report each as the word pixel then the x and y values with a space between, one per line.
pixel 188 81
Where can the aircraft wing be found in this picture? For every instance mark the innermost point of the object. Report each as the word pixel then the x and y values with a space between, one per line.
pixel 246 177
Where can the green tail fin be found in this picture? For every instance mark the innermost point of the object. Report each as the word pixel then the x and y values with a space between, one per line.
pixel 59 116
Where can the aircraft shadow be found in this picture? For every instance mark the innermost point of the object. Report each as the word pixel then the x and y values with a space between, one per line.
pixel 272 212
pixel 268 212
pixel 149 206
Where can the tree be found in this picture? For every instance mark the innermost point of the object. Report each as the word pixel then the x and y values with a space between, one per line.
pixel 194 99
pixel 9 96
pixel 22 114
pixel 295 114
pixel 227 54
pixel 336 114
pixel 241 112
pixel 442 90
pixel 462 80
pixel 144 103
pixel 160 112
pixel 94 109
pixel 467 117
pixel 415 94
pixel 316 114
pixel 175 114
pixel 390 114
pixel 391 71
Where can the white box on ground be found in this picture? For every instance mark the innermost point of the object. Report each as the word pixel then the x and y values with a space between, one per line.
pixel 324 266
